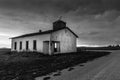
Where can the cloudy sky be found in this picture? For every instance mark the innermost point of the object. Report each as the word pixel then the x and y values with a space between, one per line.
pixel 96 22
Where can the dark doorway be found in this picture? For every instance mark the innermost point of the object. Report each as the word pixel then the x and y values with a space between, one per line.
pixel 56 46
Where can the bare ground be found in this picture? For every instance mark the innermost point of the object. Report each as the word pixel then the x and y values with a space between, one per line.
pixel 105 68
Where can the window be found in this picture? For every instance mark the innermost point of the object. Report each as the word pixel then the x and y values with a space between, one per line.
pixel 27 45
pixel 20 45
pixel 34 45
pixel 15 45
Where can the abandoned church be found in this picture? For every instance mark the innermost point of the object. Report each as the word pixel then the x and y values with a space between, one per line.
pixel 60 39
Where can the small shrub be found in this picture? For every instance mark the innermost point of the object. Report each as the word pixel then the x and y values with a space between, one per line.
pixel 46 78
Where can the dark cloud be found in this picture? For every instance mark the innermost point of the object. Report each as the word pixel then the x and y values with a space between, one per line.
pixel 86 6
pixel 95 21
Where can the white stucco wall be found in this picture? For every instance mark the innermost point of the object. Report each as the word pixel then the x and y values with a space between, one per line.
pixel 67 40
pixel 38 38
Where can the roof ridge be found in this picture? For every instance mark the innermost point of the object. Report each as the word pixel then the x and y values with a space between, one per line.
pixel 41 33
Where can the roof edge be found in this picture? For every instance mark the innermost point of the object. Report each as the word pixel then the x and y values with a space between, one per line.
pixel 72 32
pixel 42 33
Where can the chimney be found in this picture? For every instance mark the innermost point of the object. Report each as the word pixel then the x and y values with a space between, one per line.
pixel 40 30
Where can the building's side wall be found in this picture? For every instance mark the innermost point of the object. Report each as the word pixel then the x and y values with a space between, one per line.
pixel 67 40
pixel 38 38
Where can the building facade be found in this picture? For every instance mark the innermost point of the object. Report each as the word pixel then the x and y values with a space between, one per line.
pixel 59 40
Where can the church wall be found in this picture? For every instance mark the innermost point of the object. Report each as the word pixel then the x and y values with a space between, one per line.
pixel 67 40
pixel 38 38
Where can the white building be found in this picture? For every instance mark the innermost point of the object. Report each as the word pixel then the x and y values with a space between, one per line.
pixel 59 40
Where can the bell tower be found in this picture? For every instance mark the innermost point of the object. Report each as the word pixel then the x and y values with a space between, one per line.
pixel 59 24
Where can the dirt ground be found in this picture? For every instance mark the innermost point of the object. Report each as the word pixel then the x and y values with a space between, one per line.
pixel 104 68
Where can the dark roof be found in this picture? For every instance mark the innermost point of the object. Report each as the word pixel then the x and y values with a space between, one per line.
pixel 32 34
pixel 59 21
pixel 41 33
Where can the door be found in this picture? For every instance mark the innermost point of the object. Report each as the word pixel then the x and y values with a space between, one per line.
pixel 46 47
pixel 56 46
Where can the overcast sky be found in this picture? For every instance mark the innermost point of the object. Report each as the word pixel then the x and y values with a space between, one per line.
pixel 96 22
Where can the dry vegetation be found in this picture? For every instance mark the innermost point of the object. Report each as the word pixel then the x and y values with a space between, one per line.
pixel 27 66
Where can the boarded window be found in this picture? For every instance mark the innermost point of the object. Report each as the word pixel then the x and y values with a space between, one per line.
pixel 27 45
pixel 15 45
pixel 34 45
pixel 20 45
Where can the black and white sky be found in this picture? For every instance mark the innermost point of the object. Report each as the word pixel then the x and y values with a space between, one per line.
pixel 96 22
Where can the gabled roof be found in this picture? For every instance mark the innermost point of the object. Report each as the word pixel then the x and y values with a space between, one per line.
pixel 41 33
pixel 72 32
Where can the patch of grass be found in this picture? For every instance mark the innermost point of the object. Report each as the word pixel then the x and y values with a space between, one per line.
pixel 23 67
